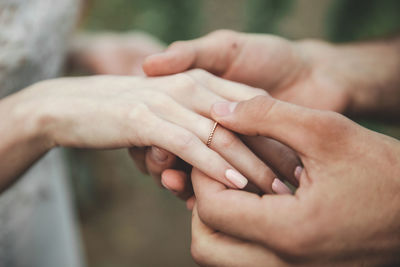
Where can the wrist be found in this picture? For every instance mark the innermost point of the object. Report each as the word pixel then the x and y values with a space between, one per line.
pixel 372 79
pixel 366 72
pixel 29 113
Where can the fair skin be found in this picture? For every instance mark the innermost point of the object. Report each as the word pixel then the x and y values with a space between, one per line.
pixel 111 112
pixel 123 54
pixel 344 213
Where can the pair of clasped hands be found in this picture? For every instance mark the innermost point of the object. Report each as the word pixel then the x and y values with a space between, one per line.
pixel 345 210
pixel 278 105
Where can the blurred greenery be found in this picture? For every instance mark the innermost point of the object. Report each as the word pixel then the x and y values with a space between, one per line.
pixel 263 16
pixel 363 19
pixel 168 20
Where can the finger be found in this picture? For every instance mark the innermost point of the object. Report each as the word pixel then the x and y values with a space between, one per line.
pixel 191 149
pixel 300 128
pixel 178 182
pixel 226 89
pixel 198 90
pixel 201 98
pixel 280 188
pixel 138 156
pixel 211 248
pixel 228 145
pixel 214 53
pixel 190 202
pixel 158 160
pixel 232 211
pixel 185 90
pixel 282 159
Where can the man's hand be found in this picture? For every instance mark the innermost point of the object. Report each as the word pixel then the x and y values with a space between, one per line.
pixel 347 208
pixel 315 74
pixel 173 172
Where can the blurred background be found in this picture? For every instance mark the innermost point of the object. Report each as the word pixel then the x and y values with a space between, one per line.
pixel 125 219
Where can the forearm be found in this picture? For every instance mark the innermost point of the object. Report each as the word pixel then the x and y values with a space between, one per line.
pixel 373 70
pixel 22 139
pixel 368 71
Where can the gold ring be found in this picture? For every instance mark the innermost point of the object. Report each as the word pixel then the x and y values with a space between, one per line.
pixel 210 137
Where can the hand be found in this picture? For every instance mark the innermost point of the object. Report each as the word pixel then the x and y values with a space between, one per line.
pixel 292 71
pixel 213 248
pixel 311 73
pixel 173 173
pixel 117 112
pixel 113 53
pixel 346 211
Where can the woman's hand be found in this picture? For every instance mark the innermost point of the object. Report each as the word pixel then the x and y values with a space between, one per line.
pixel 115 112
pixel 346 210
pixel 173 172
pixel 311 73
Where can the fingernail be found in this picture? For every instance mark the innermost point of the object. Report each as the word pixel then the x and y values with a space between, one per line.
pixel 158 155
pixel 280 188
pixel 224 108
pixel 163 184
pixel 297 172
pixel 168 188
pixel 236 178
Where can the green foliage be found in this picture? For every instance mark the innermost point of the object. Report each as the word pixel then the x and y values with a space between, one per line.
pixel 363 19
pixel 169 20
pixel 264 15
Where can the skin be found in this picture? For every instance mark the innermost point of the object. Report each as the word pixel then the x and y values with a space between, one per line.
pixel 108 53
pixel 111 112
pixel 345 212
pixel 343 78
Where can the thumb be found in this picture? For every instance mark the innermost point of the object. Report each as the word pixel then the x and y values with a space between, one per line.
pixel 177 58
pixel 214 53
pixel 299 128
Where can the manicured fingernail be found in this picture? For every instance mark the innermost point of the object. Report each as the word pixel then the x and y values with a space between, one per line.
pixel 236 178
pixel 224 108
pixel 279 187
pixel 158 155
pixel 297 172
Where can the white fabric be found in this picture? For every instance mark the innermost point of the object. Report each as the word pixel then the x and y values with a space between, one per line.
pixel 36 219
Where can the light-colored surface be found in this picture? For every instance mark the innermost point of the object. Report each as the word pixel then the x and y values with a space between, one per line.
pixel 36 220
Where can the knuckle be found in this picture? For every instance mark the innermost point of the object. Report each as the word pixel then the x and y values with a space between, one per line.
pixel 138 112
pixel 198 250
pixel 328 125
pixel 182 84
pixel 259 108
pixel 226 139
pixel 304 239
pixel 159 101
pixel 205 208
pixel 183 141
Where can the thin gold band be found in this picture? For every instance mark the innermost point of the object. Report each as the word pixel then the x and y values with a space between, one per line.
pixel 210 137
